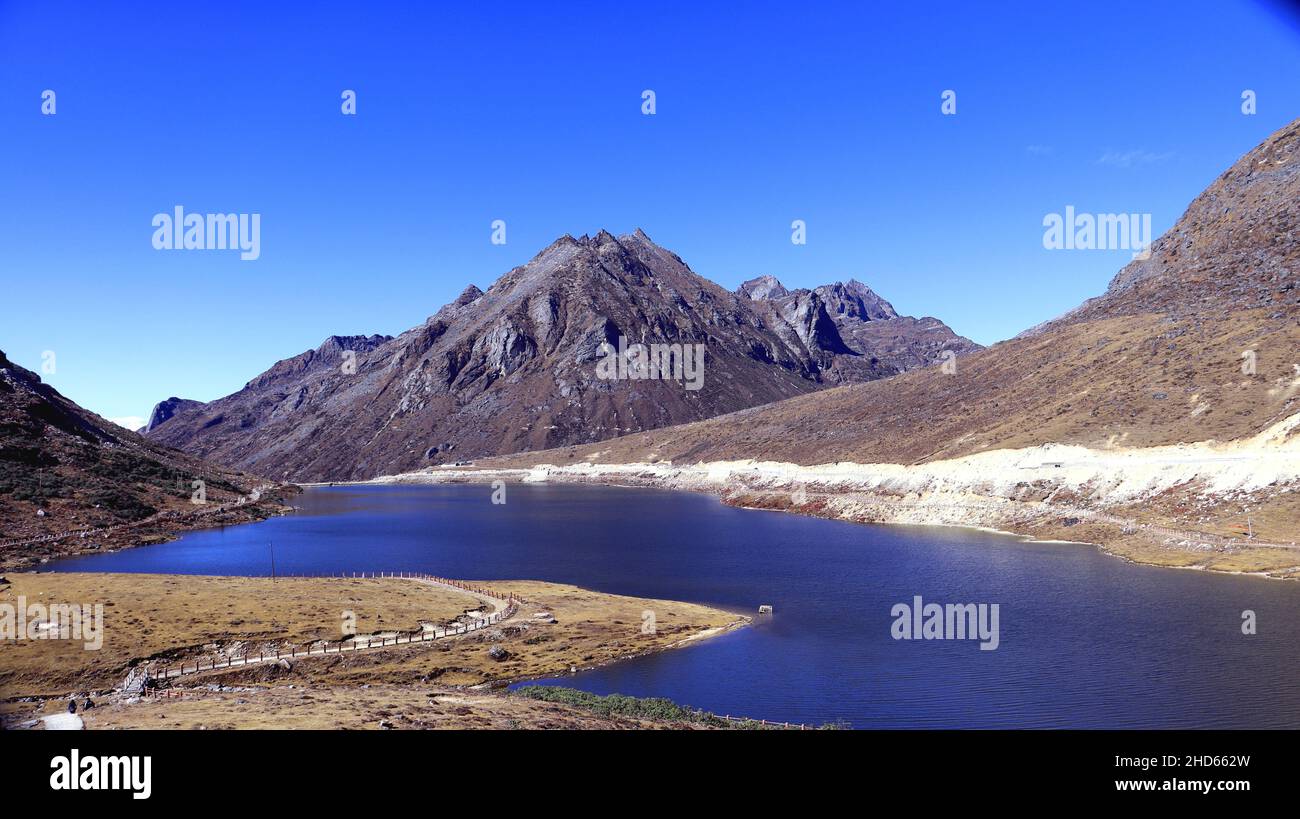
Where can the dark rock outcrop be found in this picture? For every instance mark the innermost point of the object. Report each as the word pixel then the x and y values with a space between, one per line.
pixel 166 409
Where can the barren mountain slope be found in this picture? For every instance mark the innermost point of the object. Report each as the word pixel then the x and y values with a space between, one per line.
pixel 1160 358
pixel 64 469
pixel 512 369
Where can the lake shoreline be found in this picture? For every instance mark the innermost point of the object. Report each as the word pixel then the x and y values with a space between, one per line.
pixel 581 622
pixel 149 532
pixel 1130 541
pixel 711 633
pixel 833 587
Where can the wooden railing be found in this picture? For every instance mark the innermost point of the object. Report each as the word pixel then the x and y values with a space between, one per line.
pixel 793 726
pixel 507 606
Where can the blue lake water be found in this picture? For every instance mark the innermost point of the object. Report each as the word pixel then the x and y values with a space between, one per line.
pixel 1086 640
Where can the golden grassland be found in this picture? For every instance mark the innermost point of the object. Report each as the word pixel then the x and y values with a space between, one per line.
pixel 443 683
pixel 294 707
pixel 591 629
pixel 169 618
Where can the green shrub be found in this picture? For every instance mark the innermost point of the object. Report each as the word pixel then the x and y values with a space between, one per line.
pixel 122 504
pixel 619 705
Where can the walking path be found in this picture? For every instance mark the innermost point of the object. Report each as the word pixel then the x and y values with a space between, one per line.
pixel 155 518
pixel 504 607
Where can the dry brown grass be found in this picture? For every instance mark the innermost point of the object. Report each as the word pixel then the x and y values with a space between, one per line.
pixel 420 685
pixel 169 617
pixel 1096 383
pixel 352 708
pixel 591 629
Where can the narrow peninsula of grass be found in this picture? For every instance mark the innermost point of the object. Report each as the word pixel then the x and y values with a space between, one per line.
pixel 648 708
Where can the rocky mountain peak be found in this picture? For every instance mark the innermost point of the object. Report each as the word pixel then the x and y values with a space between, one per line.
pixel 513 368
pixel 762 287
pixel 854 299
pixel 167 408
pixel 854 333
pixel 468 295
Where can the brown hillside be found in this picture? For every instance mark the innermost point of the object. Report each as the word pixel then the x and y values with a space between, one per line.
pixel 1157 359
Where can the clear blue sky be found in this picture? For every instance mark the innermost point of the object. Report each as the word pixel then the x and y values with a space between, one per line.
pixel 531 113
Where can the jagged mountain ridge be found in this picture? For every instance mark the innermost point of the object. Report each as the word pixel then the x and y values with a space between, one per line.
pixel 850 318
pixel 514 369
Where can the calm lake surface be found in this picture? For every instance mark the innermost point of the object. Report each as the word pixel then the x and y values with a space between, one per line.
pixel 1086 640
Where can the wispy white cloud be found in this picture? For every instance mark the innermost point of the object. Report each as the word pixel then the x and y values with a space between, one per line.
pixel 131 422
pixel 1131 158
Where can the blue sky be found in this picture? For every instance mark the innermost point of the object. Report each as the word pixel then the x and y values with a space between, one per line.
pixel 531 113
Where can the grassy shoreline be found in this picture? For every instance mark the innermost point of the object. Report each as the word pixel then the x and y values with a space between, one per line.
pixel 169 618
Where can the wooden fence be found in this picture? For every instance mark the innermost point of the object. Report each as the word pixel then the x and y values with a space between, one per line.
pixel 509 600
pixel 767 723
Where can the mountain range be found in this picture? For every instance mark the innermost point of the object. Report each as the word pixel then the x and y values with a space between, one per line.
pixel 1161 418
pixel 514 369
pixel 1159 358
pixel 865 324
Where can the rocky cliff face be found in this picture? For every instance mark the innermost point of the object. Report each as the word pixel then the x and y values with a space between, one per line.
pixel 516 368
pixel 166 408
pixel 855 301
pixel 857 335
